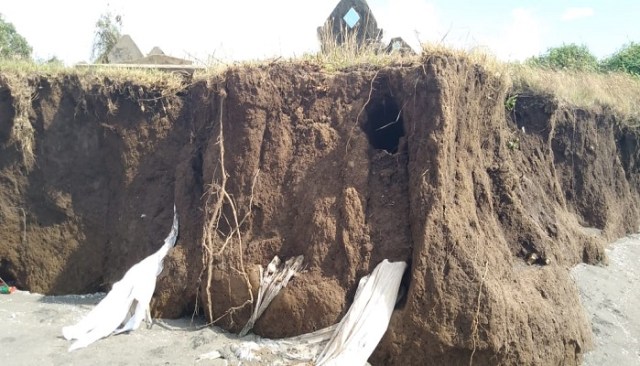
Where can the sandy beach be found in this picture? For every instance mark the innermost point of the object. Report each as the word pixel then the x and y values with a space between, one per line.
pixel 31 325
pixel 31 335
pixel 611 297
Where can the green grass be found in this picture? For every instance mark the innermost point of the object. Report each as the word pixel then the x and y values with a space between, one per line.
pixel 148 77
pixel 619 92
pixel 593 90
pixel 350 54
pixel 588 90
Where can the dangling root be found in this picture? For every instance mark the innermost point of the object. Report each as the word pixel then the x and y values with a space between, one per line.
pixel 211 235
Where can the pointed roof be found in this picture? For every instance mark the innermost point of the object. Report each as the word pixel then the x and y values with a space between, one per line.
pixel 155 51
pixel 399 45
pixel 125 50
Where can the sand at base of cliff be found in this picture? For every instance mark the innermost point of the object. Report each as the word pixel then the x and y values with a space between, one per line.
pixel 31 334
pixel 31 324
pixel 611 297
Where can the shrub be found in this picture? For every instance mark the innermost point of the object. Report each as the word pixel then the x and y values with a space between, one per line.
pixel 566 57
pixel 12 44
pixel 627 59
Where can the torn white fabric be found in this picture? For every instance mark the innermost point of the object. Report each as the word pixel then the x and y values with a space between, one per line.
pixel 354 339
pixel 361 329
pixel 127 304
pixel 271 283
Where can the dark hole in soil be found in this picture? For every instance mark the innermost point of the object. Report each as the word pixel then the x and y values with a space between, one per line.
pixel 196 167
pixel 384 125
pixel 403 292
pixel 6 273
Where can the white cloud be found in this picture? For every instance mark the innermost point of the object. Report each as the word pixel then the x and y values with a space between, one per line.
pixel 577 13
pixel 520 38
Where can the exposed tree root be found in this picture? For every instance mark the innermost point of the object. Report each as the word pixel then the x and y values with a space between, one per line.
pixel 214 241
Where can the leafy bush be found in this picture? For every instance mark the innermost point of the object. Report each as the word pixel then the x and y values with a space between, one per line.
pixel 571 57
pixel 627 59
pixel 12 44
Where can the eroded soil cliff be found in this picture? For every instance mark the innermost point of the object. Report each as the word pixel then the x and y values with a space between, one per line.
pixel 420 163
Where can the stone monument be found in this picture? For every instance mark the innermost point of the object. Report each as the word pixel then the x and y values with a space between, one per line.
pixel 350 18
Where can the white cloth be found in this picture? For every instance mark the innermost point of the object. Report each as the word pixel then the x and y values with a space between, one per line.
pixel 354 339
pixel 127 304
pixel 361 329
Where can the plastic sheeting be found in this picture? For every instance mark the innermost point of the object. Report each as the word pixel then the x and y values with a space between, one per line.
pixel 271 282
pixel 354 339
pixel 361 329
pixel 127 304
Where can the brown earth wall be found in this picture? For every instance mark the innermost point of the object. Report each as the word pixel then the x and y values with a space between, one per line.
pixel 420 163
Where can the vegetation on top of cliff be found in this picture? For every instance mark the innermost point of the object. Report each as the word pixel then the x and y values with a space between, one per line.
pixel 350 53
pixel 569 73
pixel 24 69
pixel 627 59
pixel 578 83
pixel 566 57
pixel 576 77
pixel 578 58
pixel 582 89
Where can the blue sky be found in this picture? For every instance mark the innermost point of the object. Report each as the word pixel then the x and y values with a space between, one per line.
pixel 512 30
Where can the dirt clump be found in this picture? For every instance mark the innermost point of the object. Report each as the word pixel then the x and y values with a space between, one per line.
pixel 420 163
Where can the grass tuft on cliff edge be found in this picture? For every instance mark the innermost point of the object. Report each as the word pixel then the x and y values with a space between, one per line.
pixel 619 92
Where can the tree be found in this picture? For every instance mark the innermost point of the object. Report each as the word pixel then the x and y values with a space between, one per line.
pixel 571 57
pixel 627 59
pixel 12 44
pixel 107 33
